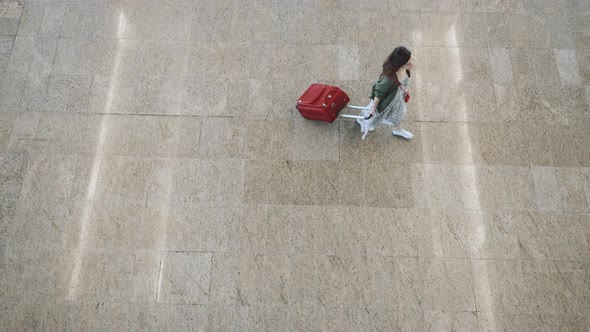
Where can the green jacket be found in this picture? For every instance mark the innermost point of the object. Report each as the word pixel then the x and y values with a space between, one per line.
pixel 384 89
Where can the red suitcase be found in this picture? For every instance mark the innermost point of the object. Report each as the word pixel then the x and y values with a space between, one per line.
pixel 322 102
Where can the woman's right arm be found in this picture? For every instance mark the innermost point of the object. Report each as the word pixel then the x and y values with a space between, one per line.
pixel 376 101
pixel 382 88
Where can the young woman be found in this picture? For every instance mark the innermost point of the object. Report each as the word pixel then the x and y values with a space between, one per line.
pixel 390 94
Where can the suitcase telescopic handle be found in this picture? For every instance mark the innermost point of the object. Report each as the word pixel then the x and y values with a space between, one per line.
pixel 357 116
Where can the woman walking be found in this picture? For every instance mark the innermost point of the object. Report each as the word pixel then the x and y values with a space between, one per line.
pixel 390 94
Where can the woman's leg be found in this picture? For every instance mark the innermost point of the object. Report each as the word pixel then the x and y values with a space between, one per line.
pixel 398 131
pixel 397 128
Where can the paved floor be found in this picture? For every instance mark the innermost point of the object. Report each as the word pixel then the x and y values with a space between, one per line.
pixel 154 174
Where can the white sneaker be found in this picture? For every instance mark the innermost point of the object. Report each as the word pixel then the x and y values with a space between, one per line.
pixel 403 133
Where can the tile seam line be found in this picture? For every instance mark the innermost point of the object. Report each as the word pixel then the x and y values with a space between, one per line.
pixel 254 43
pixel 291 118
pixel 49 77
pixel 113 251
pixel 414 208
pixel 188 42
pixel 419 208
pixel 211 269
pixel 20 99
pixel 60 251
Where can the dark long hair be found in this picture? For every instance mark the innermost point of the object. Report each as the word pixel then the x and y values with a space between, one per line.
pixel 397 59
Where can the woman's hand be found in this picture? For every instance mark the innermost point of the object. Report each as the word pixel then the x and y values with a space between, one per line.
pixel 371 114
